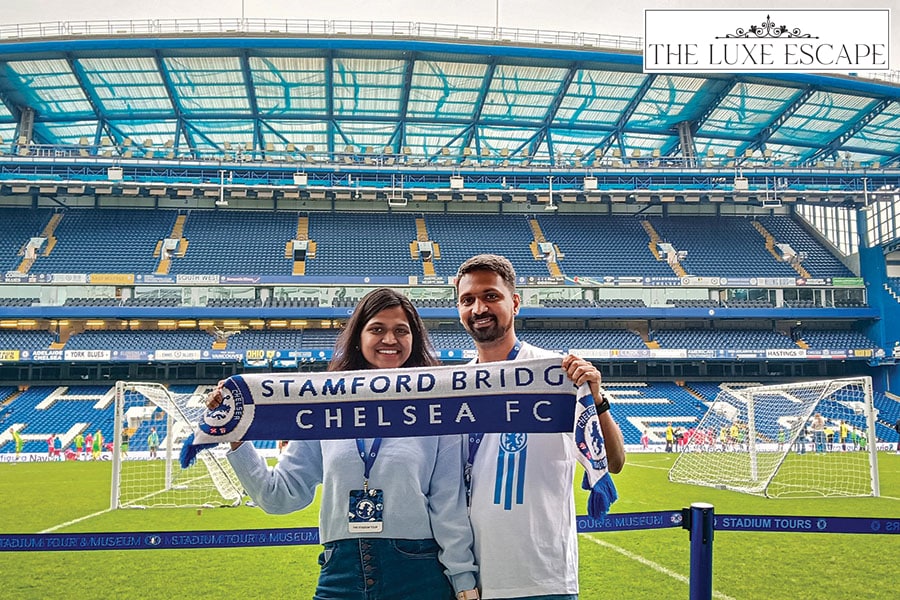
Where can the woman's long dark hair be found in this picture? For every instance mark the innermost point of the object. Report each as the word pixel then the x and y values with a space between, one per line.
pixel 347 355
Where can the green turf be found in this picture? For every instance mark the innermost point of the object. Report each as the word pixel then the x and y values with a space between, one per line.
pixel 629 565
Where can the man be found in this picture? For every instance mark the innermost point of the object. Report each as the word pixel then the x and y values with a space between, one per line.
pixel 526 547
pixel 97 445
pixel 153 442
pixel 79 445
pixel 20 443
pixel 818 429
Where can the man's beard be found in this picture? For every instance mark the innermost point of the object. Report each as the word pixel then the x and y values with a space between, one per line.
pixel 486 334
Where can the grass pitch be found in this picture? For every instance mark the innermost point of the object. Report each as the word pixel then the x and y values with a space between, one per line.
pixel 628 565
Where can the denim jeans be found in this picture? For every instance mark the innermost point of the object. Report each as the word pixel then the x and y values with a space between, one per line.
pixel 382 569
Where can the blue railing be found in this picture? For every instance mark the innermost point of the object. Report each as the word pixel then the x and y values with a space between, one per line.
pixel 700 520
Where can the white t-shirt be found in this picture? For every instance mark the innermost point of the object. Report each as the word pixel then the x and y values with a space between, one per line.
pixel 523 511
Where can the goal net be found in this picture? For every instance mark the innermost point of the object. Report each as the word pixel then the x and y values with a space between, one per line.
pixel 798 440
pixel 141 480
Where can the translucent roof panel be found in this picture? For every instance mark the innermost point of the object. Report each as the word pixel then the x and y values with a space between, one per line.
pixel 429 139
pixel 299 133
pixel 597 97
pixel 573 144
pixel 156 133
pixel 663 104
pixel 522 93
pixel 747 108
pixel 208 85
pixel 882 132
pixel 362 135
pixel 712 147
pixel 7 134
pixel 209 135
pixel 444 89
pixel 81 132
pixel 785 154
pixel 367 87
pixel 289 85
pixel 643 143
pixel 126 85
pixel 496 139
pixel 445 101
pixel 818 120
pixel 51 88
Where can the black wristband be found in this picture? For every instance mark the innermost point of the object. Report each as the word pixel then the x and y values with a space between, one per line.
pixel 602 406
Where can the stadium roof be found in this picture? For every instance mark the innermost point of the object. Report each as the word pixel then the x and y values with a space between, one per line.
pixel 445 94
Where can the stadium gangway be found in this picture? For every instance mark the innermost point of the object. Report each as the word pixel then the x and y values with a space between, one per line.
pixel 700 520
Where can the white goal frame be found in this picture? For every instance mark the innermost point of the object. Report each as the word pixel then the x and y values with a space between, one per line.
pixel 780 450
pixel 140 482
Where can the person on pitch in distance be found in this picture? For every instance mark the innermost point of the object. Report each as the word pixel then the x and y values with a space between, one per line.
pixel 407 534
pixel 525 547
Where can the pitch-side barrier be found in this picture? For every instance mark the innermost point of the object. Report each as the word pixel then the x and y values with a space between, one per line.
pixel 699 519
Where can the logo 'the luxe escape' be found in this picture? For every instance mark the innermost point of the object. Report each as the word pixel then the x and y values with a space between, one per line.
pixel 736 41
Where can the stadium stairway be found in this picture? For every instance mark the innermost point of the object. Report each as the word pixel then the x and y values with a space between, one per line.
pixel 165 260
pixel 47 233
pixel 654 248
pixel 770 246
pixel 422 236
pixel 684 385
pixel 302 235
pixel 539 238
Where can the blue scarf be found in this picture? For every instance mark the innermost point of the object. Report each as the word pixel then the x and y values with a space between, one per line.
pixel 527 396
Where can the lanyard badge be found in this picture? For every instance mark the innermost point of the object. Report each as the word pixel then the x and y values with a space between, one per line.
pixel 366 512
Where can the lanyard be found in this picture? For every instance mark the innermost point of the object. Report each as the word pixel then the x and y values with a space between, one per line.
pixel 475 438
pixel 368 458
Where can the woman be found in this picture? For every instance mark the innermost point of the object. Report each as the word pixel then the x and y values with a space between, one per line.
pixel 420 542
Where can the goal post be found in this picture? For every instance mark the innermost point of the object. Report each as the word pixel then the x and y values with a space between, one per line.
pixel 141 480
pixel 796 440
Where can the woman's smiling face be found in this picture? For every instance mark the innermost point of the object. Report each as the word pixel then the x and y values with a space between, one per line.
pixel 386 339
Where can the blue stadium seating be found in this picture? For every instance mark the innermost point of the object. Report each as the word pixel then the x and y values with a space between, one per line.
pixel 835 339
pixel 107 241
pixel 75 405
pixel 36 340
pixel 819 262
pixel 460 236
pixel 17 227
pixel 236 243
pixel 600 246
pixel 567 339
pixel 362 245
pixel 273 339
pixel 721 246
pixel 140 340
pixel 722 339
